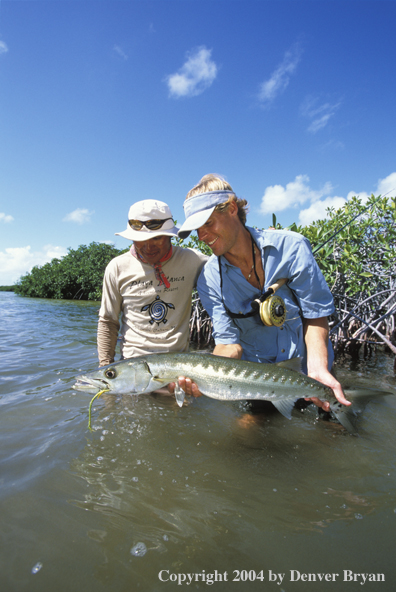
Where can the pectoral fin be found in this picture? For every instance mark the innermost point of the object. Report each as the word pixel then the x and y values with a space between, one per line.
pixel 285 406
pixel 346 416
pixel 180 395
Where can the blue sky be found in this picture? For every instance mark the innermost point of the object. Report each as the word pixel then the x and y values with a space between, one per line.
pixel 104 103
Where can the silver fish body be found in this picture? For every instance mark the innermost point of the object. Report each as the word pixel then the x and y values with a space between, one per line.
pixel 225 379
pixel 217 377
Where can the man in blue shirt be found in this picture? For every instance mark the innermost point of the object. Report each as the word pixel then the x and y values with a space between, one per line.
pixel 245 263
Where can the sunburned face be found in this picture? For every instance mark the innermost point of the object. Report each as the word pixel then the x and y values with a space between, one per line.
pixel 154 249
pixel 219 232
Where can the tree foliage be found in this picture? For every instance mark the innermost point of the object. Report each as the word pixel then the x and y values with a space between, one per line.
pixel 355 247
pixel 78 275
pixel 193 242
pixel 359 246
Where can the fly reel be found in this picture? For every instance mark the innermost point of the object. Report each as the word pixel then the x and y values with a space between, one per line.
pixel 273 311
pixel 271 308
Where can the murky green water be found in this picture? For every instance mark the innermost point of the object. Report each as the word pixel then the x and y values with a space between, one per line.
pixel 155 492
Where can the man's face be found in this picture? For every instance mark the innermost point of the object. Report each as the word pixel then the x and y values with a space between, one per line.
pixel 153 249
pixel 219 232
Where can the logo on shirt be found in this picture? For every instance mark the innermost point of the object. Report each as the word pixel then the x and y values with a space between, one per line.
pixel 158 309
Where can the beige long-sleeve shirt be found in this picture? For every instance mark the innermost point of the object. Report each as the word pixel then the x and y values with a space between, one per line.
pixel 152 318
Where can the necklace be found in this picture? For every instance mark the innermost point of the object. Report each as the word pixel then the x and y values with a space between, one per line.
pixel 254 260
pixel 254 264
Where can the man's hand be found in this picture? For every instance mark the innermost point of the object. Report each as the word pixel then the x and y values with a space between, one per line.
pixel 188 386
pixel 316 335
pixel 325 377
pixel 233 350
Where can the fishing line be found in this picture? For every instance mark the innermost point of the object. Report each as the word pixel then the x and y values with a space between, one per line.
pixel 90 406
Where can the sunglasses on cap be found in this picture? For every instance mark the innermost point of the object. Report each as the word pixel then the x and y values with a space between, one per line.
pixel 149 224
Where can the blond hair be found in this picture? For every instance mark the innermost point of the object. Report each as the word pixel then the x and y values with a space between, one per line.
pixel 213 182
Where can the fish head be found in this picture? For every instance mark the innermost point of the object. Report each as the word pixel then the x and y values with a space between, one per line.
pixel 126 377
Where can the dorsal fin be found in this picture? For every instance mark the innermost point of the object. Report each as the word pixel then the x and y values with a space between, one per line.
pixel 292 364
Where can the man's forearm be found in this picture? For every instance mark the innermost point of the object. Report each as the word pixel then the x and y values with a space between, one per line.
pixel 107 341
pixel 228 350
pixel 316 336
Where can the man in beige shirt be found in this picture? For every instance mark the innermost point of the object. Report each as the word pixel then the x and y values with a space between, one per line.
pixel 147 291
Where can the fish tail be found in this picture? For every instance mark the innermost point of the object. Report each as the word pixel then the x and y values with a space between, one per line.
pixel 360 397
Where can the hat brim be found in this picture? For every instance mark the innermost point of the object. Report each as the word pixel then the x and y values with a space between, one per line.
pixel 143 235
pixel 195 221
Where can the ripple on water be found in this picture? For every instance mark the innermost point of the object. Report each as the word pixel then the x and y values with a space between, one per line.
pixel 139 550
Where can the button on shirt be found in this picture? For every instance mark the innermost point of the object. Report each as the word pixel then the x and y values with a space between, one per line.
pixel 284 254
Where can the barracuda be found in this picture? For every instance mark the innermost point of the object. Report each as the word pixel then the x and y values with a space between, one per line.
pixel 221 378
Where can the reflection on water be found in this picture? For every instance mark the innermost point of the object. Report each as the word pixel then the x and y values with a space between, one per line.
pixel 193 490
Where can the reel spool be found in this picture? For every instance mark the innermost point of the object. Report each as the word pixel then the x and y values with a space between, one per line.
pixel 273 311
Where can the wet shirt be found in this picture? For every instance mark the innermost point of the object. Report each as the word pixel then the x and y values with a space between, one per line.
pixel 284 254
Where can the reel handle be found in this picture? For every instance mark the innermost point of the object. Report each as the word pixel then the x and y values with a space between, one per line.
pixel 271 308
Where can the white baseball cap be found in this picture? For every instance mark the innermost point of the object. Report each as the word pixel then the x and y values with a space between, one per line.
pixel 149 210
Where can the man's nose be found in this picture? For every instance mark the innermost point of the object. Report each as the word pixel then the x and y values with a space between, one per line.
pixel 149 245
pixel 201 233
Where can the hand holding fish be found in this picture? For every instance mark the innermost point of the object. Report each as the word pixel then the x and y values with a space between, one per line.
pixel 316 336
pixel 326 378
pixel 187 385
pixel 232 350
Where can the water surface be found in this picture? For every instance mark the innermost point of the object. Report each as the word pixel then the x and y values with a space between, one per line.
pixel 155 492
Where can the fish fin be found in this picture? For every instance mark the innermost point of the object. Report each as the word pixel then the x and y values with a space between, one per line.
pixel 360 397
pixel 179 394
pixel 292 364
pixel 347 416
pixel 363 395
pixel 285 406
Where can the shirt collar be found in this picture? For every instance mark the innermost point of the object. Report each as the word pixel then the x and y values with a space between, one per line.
pixel 262 238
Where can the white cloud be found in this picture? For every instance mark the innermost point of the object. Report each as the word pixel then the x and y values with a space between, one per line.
pixel 387 186
pixel 79 216
pixel 5 218
pixel 279 80
pixel 317 210
pixel 3 47
pixel 195 76
pixel 15 262
pixel 319 114
pixel 298 193
pixel 277 198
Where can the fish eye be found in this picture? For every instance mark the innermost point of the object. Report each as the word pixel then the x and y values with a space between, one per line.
pixel 110 373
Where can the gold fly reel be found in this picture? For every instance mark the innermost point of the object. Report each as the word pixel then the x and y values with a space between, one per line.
pixel 273 311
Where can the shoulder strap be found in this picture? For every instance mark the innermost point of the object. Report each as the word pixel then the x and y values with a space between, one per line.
pixel 233 315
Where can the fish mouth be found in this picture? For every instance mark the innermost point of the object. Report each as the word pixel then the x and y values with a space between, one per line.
pixel 91 385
